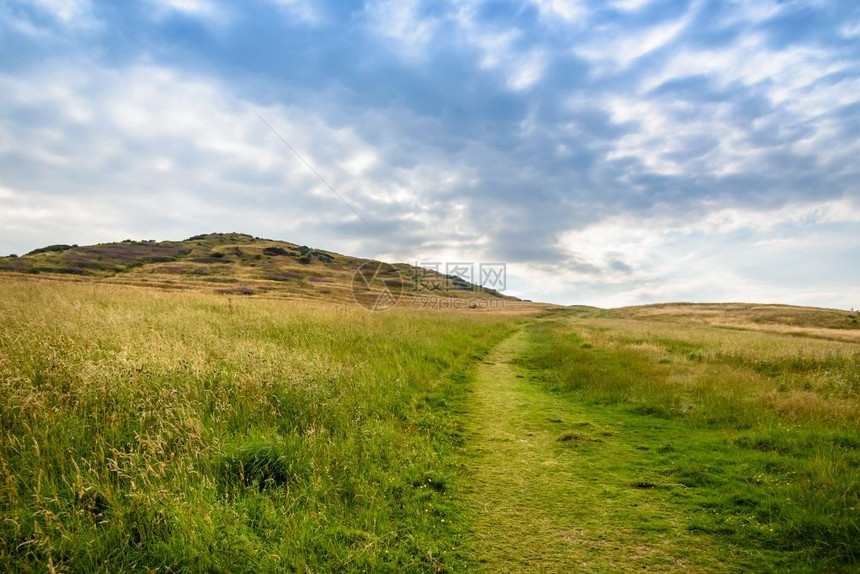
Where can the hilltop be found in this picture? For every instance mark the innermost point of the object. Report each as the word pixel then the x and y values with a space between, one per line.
pixel 234 263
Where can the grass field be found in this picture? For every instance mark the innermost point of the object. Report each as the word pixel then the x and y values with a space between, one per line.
pixel 747 438
pixel 187 431
pixel 191 431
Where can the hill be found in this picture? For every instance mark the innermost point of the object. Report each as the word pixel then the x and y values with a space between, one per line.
pixel 815 322
pixel 738 314
pixel 237 263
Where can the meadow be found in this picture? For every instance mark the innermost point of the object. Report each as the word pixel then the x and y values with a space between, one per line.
pixel 187 430
pixel 195 432
pixel 750 437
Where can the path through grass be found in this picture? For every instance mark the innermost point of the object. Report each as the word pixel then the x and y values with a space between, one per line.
pixel 554 488
pixel 557 483
pixel 188 432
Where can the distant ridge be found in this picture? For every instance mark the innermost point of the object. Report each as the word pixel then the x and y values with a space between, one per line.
pixel 231 263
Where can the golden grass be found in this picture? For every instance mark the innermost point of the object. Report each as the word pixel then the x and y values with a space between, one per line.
pixel 191 431
pixel 783 319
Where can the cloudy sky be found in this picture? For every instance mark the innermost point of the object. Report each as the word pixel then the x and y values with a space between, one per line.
pixel 610 153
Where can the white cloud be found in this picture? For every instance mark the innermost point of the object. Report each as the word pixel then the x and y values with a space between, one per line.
pixel 360 162
pixel 402 22
pixel 851 30
pixel 609 241
pixel 46 218
pixel 527 70
pixel 666 133
pixel 786 255
pixel 567 10
pixel 746 12
pixel 414 32
pixel 630 5
pixel 69 12
pixel 670 257
pixel 616 47
pixel 751 12
pixel 792 79
pixel 204 10
pixel 784 73
pixel 191 7
pixel 146 132
pixel 499 49
pixel 167 150
pixel 65 17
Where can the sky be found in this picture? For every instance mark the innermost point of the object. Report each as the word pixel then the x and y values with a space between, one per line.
pixel 608 153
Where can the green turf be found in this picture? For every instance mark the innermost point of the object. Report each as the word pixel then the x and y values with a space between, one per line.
pixel 556 487
pixel 581 458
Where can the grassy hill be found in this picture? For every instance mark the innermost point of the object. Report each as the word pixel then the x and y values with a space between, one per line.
pixel 233 263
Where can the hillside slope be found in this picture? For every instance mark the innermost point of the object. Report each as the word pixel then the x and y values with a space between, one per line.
pixel 234 263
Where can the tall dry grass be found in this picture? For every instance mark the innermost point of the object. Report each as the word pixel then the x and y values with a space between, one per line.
pixel 183 431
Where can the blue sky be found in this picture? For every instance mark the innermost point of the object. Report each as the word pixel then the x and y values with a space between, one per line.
pixel 638 150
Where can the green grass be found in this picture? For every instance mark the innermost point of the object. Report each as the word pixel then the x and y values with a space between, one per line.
pixel 555 486
pixel 753 442
pixel 185 432
pixel 182 431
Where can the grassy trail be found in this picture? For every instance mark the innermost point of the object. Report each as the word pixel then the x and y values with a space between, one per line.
pixel 555 489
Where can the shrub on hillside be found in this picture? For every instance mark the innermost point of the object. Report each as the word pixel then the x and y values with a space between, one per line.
pixel 238 290
pixel 52 249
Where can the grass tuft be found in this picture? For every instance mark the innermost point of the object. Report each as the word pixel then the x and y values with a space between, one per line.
pixel 266 463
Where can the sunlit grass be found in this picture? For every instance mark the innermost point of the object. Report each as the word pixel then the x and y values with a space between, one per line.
pixel 189 431
pixel 192 431
pixel 761 431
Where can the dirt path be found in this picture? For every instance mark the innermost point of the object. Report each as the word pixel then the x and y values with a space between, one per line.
pixel 547 492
